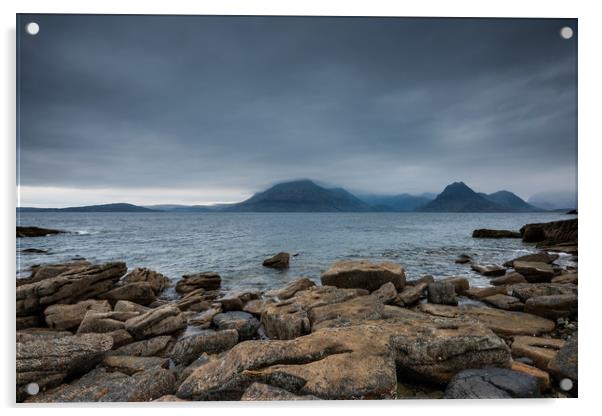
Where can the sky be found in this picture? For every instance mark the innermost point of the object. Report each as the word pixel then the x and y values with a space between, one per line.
pixel 209 109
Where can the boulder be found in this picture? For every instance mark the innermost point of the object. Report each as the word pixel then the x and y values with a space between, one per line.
pixel 231 303
pixel 120 337
pixel 244 323
pixel 71 286
pixel 100 385
pixel 499 321
pixel 257 306
pixel 442 293
pixel 279 261
pixel 541 257
pixel 363 275
pixel 486 233
pixel 129 364
pixel 411 294
pixel 345 313
pixel 204 319
pixel 526 291
pixel 566 278
pixel 539 350
pixel 489 270
pixel 48 361
pixel 564 363
pixel 463 259
pixel 36 231
pixel 542 377
pixel 484 292
pixel 534 272
pixel 205 280
pixel 354 362
pixel 103 322
pixel 508 303
pixel 61 317
pixel 386 293
pixel 508 279
pixel 290 289
pixel 492 383
pixel 552 306
pixel 189 348
pixel 137 292
pixel 551 232
pixel 265 392
pixel 160 321
pixel 128 306
pixel 461 284
pixel 146 348
pixel 46 271
pixel 156 280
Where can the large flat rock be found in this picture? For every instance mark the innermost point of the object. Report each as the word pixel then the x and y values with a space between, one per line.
pixel 364 275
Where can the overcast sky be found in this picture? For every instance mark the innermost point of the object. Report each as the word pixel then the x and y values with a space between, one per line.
pixel 188 109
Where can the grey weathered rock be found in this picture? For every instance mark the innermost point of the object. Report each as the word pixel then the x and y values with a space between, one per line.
pixel 141 293
pixel 534 272
pixel 160 321
pixel 279 261
pixel 564 364
pixel 541 257
pixel 442 293
pixel 62 317
pixel 461 284
pixel 352 311
pixel 157 281
pixel 130 364
pixel 290 289
pixel 364 275
pixel 485 233
pixel 492 383
pixel 552 306
pixel 509 279
pixel 508 303
pixel 526 291
pixel 36 231
pixel 205 280
pixel 145 348
pixel 127 306
pixel 244 323
pixel 554 232
pixel 490 270
pixel 483 292
pixel 411 294
pixel 566 278
pixel 103 322
pixel 189 348
pixel 69 287
pixel 47 271
pixel 386 293
pixel 463 259
pixel 538 349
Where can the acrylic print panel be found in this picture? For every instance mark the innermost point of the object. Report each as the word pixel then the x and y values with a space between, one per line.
pixel 295 208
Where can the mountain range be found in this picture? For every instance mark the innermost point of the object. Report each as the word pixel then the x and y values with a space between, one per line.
pixel 306 196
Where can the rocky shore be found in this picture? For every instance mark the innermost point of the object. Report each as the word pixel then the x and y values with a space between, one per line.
pixel 96 332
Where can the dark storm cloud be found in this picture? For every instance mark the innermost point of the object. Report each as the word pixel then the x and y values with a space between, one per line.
pixel 381 105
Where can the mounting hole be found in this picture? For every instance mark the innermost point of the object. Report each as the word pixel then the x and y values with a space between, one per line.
pixel 32 28
pixel 32 389
pixel 566 384
pixel 566 33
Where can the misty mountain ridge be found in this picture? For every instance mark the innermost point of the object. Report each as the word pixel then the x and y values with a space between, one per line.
pixel 306 196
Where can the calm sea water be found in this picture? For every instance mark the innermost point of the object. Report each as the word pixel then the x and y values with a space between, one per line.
pixel 235 244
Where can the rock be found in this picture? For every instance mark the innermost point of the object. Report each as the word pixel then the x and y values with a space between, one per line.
pixel 508 303
pixel 484 292
pixel 100 385
pixel 146 348
pixel 189 348
pixel 42 272
pixel 128 306
pixel 156 280
pixel 345 313
pixel 463 259
pixel 36 334
pixel 499 321
pixel 460 283
pixel 265 392
pixel 552 306
pixel 534 272
pixel 137 292
pixel 290 318
pixel 424 279
pixel 485 233
pixel 34 251
pixel 290 289
pixel 359 361
pixel 442 293
pixel 564 363
pixel 198 301
pixel 48 361
pixel 542 377
pixel 231 303
pixel 131 364
pixel 551 232
pixel 31 321
pixel 68 287
pixel 386 293
pixel 492 383
pixel 103 322
pixel 257 306
pixel 205 318
pixel 526 291
pixel 36 232
pixel 206 280
pixel 363 275
pixel 244 323
pixel 411 294
pixel 539 350
pixel 490 270
pixel 160 321
pixel 120 337
pixel 169 398
pixel 566 278
pixel 541 257
pixel 62 317
pixel 279 261
pixel 508 279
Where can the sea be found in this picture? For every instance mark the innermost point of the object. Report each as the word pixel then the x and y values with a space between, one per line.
pixel 235 244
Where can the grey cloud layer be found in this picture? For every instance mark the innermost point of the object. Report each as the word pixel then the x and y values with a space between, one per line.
pixel 380 105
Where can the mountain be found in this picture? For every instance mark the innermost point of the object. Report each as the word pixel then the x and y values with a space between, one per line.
pixel 120 207
pixel 300 196
pixel 458 197
pixel 510 201
pixel 555 200
pixel 397 203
